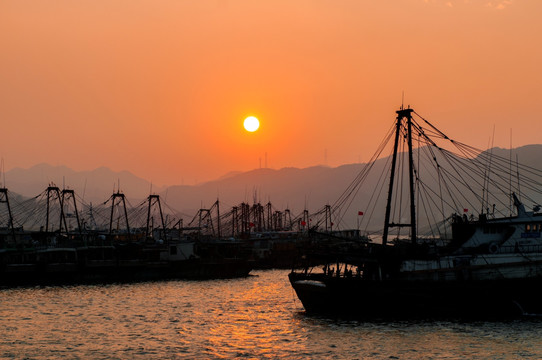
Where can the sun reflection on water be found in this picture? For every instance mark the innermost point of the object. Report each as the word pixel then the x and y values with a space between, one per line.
pixel 256 317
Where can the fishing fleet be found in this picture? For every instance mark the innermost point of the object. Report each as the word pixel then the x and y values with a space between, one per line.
pixel 461 236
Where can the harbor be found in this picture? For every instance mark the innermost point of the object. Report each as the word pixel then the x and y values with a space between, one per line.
pixel 485 265
pixel 232 179
pixel 75 248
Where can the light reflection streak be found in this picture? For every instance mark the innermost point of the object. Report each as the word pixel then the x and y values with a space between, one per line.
pixel 255 317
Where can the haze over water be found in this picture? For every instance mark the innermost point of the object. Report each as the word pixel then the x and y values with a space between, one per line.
pixel 255 317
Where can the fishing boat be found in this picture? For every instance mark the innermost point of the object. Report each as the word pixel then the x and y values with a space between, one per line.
pixel 60 253
pixel 483 265
pixel 271 237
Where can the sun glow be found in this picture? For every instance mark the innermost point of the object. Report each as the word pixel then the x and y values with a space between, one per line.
pixel 251 124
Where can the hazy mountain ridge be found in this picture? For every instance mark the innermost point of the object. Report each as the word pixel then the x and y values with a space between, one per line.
pixel 309 188
pixel 294 188
pixel 93 185
pixel 285 188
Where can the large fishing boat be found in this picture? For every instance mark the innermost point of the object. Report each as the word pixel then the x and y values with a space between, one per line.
pixel 489 264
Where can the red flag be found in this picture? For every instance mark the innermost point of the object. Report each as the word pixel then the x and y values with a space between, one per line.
pixel 465 210
pixel 303 223
pixel 251 224
pixel 360 213
pixel 331 224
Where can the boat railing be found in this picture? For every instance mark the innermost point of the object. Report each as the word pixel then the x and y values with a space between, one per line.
pixel 517 249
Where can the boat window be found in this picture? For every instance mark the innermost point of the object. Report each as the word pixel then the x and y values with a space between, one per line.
pixel 528 228
pixel 488 229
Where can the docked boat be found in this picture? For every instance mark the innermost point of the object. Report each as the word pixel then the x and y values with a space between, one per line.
pixel 489 265
pixel 67 255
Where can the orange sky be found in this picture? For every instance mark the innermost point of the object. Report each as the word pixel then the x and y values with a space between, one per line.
pixel 161 87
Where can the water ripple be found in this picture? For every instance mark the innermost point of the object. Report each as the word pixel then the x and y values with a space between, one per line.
pixel 251 318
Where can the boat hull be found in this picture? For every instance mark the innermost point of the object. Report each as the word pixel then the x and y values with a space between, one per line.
pixel 74 266
pixel 361 298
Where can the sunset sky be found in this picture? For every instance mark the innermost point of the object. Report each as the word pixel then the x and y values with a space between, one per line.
pixel 161 87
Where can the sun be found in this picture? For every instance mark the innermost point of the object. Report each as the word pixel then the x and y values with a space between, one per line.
pixel 251 124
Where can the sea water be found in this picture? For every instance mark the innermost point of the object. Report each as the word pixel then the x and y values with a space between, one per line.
pixel 258 317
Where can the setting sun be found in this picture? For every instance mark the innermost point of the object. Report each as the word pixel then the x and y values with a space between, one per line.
pixel 251 124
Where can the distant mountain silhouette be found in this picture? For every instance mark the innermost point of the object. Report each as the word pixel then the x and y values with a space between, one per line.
pixel 93 186
pixel 285 188
pixel 297 189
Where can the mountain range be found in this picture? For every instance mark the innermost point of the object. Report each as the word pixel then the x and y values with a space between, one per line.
pixel 91 186
pixel 297 189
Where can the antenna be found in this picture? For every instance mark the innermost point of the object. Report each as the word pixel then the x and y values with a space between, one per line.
pixel 3 174
pixel 84 189
pixel 489 169
pixel 403 100
pixel 510 181
pixel 517 170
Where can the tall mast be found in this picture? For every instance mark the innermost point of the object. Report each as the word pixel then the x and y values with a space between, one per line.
pixel 123 199
pixel 5 199
pixel 402 114
pixel 156 199
pixel 218 218
pixel 66 194
pixel 235 222
pixel 408 115
pixel 55 191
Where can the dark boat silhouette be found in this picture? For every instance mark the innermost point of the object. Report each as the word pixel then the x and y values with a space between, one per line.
pixel 484 266
pixel 60 253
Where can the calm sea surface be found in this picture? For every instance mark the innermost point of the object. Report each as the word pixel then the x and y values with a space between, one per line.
pixel 255 317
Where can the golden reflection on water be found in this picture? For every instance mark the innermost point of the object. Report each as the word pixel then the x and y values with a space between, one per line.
pixel 255 318
pixel 257 325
